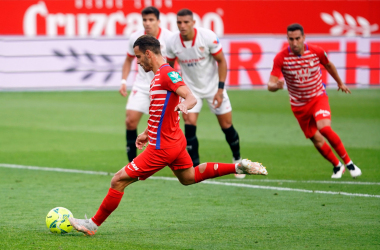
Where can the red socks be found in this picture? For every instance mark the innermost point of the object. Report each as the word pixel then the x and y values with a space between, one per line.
pixel 214 170
pixel 326 151
pixel 109 204
pixel 336 143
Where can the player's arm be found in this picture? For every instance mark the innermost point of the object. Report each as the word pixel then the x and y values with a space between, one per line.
pixel 189 102
pixel 142 139
pixel 330 67
pixel 222 71
pixel 275 84
pixel 125 72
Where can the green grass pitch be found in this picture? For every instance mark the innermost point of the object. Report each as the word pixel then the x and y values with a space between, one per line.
pixel 85 130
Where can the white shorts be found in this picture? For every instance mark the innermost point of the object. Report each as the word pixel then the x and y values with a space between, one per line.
pixel 138 101
pixel 223 109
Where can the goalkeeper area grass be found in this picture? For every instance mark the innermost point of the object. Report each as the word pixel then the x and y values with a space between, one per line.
pixel 46 136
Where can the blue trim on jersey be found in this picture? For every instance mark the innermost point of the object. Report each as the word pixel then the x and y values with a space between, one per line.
pixel 158 141
pixel 164 65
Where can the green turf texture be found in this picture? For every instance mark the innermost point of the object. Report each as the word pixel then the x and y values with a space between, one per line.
pixel 85 130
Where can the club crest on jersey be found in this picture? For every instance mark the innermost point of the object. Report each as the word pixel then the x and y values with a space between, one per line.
pixel 202 49
pixel 303 75
pixel 175 77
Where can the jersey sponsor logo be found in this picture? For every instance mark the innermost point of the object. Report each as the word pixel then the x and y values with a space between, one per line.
pixel 133 165
pixel 303 75
pixel 324 113
pixel 174 76
pixel 216 41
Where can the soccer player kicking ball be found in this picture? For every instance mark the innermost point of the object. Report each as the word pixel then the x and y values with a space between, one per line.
pixel 166 142
pixel 299 63
pixel 204 68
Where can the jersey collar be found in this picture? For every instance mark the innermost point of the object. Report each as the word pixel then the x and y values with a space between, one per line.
pixel 158 35
pixel 164 65
pixel 195 36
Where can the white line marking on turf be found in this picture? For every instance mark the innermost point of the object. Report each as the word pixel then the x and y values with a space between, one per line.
pixel 320 182
pixel 64 170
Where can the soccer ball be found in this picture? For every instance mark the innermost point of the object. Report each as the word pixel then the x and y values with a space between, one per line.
pixel 57 220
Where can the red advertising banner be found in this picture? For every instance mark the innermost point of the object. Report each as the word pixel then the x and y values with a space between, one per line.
pixel 93 18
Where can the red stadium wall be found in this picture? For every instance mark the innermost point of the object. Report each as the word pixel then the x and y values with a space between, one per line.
pixel 81 43
pixel 118 17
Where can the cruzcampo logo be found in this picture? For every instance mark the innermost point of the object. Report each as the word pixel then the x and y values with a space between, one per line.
pixel 175 77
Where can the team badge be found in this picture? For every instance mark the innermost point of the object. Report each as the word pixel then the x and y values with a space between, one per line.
pixel 311 63
pixel 175 77
pixel 303 75
pixel 202 49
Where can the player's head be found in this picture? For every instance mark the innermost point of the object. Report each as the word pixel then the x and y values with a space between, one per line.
pixel 146 47
pixel 296 38
pixel 151 20
pixel 185 22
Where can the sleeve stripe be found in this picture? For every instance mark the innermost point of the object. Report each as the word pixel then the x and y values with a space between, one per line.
pixel 171 59
pixel 214 54
pixel 130 55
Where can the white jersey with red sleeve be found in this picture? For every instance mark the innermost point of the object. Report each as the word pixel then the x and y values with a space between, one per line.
pixel 198 66
pixel 143 78
pixel 163 122
pixel 302 73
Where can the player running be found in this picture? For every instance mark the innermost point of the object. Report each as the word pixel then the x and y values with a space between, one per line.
pixel 167 144
pixel 204 69
pixel 299 63
pixel 138 100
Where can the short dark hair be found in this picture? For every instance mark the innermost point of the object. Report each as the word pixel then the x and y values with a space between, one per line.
pixel 151 10
pixel 185 12
pixel 294 27
pixel 148 42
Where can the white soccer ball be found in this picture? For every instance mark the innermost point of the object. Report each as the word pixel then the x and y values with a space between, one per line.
pixel 57 220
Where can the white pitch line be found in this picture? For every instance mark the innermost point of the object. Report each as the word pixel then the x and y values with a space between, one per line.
pixel 175 179
pixel 318 182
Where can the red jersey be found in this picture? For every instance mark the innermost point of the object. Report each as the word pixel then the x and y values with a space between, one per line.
pixel 163 123
pixel 302 73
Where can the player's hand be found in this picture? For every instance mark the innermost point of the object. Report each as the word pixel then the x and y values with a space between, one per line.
pixel 280 84
pixel 344 88
pixel 142 140
pixel 218 98
pixel 181 107
pixel 123 90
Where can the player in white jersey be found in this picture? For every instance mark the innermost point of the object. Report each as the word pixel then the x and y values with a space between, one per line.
pixel 138 100
pixel 204 70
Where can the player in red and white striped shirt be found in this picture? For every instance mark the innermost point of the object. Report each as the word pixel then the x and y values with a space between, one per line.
pixel 299 64
pixel 167 143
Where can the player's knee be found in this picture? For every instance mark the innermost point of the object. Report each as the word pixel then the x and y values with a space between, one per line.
pixel 131 123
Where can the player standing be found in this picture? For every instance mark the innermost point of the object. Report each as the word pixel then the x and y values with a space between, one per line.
pixel 167 144
pixel 138 100
pixel 204 70
pixel 299 63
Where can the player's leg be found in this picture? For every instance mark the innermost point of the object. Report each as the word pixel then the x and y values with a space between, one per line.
pixel 322 116
pixel 324 127
pixel 232 136
pixel 224 116
pixel 137 105
pixel 132 121
pixel 325 150
pixel 211 170
pixel 190 120
pixel 187 175
pixel 304 115
pixel 115 193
